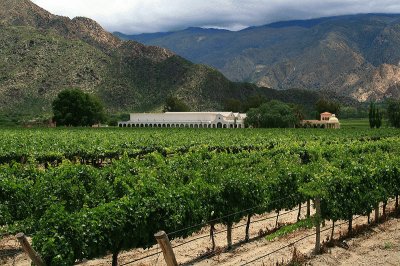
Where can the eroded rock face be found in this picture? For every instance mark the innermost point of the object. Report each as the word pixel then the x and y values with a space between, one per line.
pixel 91 31
pixel 383 82
pixel 137 50
pixel 344 54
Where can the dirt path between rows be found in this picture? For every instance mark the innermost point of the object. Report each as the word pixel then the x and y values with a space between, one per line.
pixel 378 245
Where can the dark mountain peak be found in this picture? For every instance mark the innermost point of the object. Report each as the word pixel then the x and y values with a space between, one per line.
pixel 203 30
pixel 194 29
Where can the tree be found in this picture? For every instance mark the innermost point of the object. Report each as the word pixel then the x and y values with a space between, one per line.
pixel 393 112
pixel 72 107
pixel 253 102
pixel 232 105
pixel 298 111
pixel 173 104
pixel 323 105
pixel 273 114
pixel 378 118
pixel 371 115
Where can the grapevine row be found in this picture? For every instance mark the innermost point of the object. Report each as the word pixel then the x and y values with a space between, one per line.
pixel 78 211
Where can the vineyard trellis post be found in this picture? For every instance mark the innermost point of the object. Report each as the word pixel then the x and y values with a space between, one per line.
pixel 163 241
pixel 33 255
pixel 377 213
pixel 317 225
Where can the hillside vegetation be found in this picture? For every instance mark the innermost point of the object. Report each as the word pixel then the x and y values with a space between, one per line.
pixel 42 54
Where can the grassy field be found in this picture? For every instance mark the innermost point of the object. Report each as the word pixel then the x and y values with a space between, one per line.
pixel 354 123
pixel 360 123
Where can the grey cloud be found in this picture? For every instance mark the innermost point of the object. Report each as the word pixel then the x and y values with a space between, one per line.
pixel 133 16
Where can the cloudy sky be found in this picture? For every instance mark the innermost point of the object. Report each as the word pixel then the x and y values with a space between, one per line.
pixel 143 16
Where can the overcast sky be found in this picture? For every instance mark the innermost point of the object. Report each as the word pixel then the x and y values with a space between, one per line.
pixel 143 16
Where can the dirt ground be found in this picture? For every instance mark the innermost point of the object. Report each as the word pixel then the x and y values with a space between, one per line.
pixel 377 245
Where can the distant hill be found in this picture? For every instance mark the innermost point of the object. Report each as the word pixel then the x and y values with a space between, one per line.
pixel 355 55
pixel 42 54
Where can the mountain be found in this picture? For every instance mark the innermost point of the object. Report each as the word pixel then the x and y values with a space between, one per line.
pixel 41 54
pixel 355 55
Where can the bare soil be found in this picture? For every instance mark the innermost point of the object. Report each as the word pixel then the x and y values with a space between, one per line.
pixel 375 245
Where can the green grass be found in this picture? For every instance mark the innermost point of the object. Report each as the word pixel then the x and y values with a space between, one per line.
pixel 354 123
pixel 287 229
pixel 388 245
pixel 359 123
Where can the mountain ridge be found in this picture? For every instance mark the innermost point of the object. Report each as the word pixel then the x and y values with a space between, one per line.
pixel 41 54
pixel 344 54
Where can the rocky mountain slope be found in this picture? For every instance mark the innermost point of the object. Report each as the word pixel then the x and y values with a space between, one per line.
pixel 42 54
pixel 356 56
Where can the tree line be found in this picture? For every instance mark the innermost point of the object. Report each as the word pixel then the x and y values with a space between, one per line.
pixel 72 107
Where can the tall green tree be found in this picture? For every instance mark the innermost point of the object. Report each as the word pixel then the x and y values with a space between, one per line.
pixel 173 104
pixel 73 107
pixel 324 105
pixel 273 114
pixel 371 115
pixel 374 116
pixel 232 105
pixel 378 118
pixel 254 101
pixel 393 112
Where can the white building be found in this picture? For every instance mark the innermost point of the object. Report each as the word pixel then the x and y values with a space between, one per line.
pixel 186 119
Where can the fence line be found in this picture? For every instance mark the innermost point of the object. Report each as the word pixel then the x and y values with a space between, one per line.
pixel 225 216
pixel 136 260
pixel 294 242
pixel 235 227
pixel 205 236
pixel 326 229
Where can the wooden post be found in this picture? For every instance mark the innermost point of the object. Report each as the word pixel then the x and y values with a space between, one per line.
pixel 166 247
pixel 377 213
pixel 317 248
pixel 229 235
pixel 37 260
pixel 308 208
pixel 350 229
pixel 384 208
pixel 247 237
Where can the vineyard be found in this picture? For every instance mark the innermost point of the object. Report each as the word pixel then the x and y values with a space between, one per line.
pixel 85 193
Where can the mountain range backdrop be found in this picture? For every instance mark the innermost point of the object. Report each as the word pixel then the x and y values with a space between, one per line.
pixel 352 59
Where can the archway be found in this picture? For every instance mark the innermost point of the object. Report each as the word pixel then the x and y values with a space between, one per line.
pixel 219 125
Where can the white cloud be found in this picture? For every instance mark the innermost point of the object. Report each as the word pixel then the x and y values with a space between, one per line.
pixel 134 16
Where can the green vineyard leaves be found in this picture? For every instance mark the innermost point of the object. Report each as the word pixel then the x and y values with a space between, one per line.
pixel 86 193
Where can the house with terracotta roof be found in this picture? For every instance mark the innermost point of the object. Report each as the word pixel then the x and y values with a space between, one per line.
pixel 327 120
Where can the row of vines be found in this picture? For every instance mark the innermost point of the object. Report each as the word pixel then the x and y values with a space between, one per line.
pixel 180 181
